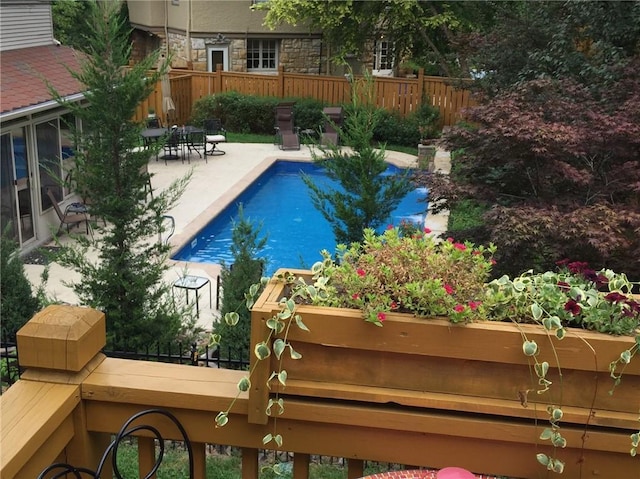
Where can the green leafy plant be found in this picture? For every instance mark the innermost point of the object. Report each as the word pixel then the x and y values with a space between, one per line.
pixel 407 270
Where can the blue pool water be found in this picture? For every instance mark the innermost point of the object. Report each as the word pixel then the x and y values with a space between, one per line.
pixel 295 230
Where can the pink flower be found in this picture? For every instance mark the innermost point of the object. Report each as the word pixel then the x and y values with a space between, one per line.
pixel 459 246
pixel 355 296
pixel 360 272
pixel 493 261
pixel 474 305
pixel 389 226
pixel 458 308
pixel 382 316
pixel 448 288
pixel 427 230
pixel 394 305
pixel 450 239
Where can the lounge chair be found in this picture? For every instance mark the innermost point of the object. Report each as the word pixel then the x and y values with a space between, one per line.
pixel 333 121
pixel 287 136
pixel 68 218
pixel 214 134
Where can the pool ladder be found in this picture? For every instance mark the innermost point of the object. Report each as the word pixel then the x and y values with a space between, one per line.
pixel 170 227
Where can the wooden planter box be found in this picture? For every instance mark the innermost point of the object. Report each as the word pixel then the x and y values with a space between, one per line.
pixel 477 371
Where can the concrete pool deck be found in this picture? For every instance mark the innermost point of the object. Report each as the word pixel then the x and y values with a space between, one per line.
pixel 213 186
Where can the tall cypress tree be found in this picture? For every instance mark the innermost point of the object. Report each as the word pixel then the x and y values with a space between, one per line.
pixel 245 271
pixel 126 281
pixel 367 197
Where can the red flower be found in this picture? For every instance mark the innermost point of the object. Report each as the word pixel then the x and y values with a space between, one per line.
pixel 427 230
pixel 476 252
pixel 450 239
pixel 459 246
pixel 382 316
pixel 615 297
pixel 360 272
pixel 394 305
pixel 448 288
pixel 493 261
pixel 573 307
pixel 355 296
pixel 389 226
pixel 458 308
pixel 563 286
pixel 474 305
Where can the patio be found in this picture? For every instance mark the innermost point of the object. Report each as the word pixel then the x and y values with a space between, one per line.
pixel 214 184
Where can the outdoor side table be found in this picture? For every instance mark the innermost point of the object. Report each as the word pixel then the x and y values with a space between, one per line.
pixel 193 283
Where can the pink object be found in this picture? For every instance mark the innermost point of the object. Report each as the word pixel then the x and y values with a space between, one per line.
pixel 454 473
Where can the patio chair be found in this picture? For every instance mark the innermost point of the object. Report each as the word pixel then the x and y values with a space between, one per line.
pixel 333 121
pixel 214 134
pixel 69 217
pixel 173 146
pixel 287 135
pixel 197 141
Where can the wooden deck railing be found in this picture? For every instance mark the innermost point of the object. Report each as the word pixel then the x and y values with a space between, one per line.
pixel 72 398
pixel 403 95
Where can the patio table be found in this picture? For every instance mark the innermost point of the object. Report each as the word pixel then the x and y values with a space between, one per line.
pixel 150 135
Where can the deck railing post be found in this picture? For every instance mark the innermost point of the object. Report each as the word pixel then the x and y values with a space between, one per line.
pixel 62 345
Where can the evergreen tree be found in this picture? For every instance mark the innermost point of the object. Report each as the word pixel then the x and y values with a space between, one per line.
pixel 17 303
pixel 236 280
pixel 367 197
pixel 126 281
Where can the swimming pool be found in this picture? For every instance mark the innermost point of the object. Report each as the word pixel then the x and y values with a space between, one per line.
pixel 296 231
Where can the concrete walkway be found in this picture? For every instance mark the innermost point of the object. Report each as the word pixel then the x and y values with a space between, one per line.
pixel 213 186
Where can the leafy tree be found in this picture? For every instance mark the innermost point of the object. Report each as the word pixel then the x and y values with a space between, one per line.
pixel 126 281
pixel 17 302
pixel 237 278
pixel 584 41
pixel 559 164
pixel 367 197
pixel 424 31
pixel 552 152
pixel 70 25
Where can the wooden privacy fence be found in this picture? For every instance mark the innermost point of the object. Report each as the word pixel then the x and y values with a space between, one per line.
pixel 403 95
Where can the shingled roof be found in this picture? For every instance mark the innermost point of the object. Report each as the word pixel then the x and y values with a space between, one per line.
pixel 23 73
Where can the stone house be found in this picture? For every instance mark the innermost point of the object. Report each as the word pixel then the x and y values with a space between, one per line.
pixel 202 34
pixel 36 149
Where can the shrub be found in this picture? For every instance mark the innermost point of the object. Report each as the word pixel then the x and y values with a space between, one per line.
pixel 256 114
pixel 307 113
pixel 17 303
pixel 397 130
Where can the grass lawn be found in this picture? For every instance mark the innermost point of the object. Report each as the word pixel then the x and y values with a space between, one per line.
pixel 255 138
pixel 175 466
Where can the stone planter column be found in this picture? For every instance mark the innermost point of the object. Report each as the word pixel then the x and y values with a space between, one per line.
pixel 426 157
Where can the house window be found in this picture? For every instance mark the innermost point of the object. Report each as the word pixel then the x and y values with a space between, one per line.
pixel 55 155
pixel 384 56
pixel 262 54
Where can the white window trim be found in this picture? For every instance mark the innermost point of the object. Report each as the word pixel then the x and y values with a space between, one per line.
pixel 377 58
pixel 218 48
pixel 277 58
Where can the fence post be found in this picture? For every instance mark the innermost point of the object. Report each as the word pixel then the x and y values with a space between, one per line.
pixel 217 80
pixel 62 345
pixel 420 87
pixel 280 81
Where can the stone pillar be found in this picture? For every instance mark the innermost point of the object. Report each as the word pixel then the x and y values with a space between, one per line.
pixel 426 157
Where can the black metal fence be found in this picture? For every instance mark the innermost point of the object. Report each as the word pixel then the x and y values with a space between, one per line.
pixel 190 355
